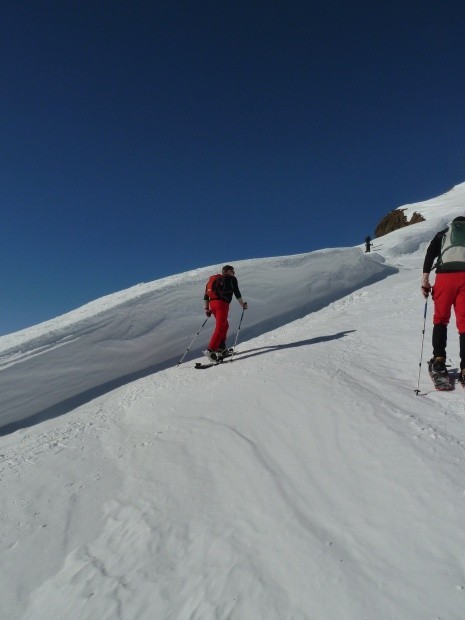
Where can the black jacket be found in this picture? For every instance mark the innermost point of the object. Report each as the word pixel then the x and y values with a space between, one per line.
pixel 433 251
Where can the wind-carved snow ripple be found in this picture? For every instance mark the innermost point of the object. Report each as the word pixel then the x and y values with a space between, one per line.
pixel 172 569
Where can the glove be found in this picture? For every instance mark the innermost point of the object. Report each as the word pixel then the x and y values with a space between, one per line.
pixel 244 305
pixel 425 285
pixel 208 312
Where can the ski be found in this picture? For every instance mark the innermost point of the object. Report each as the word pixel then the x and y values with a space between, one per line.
pixel 224 360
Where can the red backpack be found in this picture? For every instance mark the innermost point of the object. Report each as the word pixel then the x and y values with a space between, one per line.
pixel 216 287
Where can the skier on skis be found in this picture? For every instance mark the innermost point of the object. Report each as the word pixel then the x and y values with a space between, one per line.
pixel 448 246
pixel 218 295
pixel 368 244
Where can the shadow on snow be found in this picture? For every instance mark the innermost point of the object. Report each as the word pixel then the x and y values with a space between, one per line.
pixel 278 347
pixel 88 395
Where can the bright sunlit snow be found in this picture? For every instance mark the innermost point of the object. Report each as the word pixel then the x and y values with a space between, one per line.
pixel 305 480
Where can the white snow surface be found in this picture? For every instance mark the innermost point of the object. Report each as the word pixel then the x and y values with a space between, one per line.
pixel 304 480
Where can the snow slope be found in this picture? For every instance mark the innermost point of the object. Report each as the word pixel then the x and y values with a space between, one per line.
pixel 134 333
pixel 305 480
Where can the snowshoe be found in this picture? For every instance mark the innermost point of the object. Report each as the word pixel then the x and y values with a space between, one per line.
pixel 438 372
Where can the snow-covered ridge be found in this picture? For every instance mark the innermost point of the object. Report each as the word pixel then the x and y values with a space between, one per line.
pixel 438 213
pixel 452 204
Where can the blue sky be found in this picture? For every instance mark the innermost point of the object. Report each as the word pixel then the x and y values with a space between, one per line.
pixel 144 139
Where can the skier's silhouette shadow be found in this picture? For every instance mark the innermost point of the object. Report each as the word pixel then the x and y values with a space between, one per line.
pixel 290 345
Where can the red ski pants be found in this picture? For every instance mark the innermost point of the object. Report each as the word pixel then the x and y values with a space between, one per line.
pixel 220 310
pixel 448 291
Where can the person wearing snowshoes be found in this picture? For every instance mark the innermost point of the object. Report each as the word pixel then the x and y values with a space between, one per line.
pixel 219 291
pixel 448 247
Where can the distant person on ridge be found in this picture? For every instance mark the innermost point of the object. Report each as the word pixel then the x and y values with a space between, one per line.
pixel 218 295
pixel 368 243
pixel 448 246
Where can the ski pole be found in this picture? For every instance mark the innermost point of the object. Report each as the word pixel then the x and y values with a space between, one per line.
pixel 417 391
pixel 237 334
pixel 186 351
